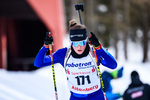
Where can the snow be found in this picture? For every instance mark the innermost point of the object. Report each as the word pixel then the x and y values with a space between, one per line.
pixel 35 85
pixel 38 84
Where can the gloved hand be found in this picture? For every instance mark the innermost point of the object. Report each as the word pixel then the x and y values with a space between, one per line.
pixel 94 41
pixel 48 39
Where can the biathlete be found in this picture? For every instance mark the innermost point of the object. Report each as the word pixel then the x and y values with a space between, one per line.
pixel 79 62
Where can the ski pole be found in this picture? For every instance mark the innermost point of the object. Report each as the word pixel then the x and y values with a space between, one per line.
pixel 99 72
pixel 78 8
pixel 53 71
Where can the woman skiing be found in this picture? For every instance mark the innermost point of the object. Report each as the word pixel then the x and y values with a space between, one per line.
pixel 79 62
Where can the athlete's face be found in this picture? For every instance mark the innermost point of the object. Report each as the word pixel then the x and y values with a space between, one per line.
pixel 79 49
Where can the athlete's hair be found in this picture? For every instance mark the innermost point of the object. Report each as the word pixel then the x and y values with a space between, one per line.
pixel 73 25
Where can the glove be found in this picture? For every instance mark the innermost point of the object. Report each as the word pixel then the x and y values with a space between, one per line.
pixel 117 73
pixel 94 41
pixel 48 39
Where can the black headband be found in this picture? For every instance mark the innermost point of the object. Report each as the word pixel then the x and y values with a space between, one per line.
pixel 78 34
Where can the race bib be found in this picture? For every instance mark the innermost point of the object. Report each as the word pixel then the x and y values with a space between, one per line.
pixel 82 75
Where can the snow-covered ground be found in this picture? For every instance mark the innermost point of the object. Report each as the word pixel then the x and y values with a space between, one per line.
pixel 38 84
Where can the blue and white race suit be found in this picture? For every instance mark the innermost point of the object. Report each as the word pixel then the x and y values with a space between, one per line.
pixel 81 72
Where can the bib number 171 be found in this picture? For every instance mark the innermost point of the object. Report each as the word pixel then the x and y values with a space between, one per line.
pixel 81 79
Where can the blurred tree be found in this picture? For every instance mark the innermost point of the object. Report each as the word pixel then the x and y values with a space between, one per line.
pixel 115 26
pixel 73 12
pixel 126 25
pixel 89 15
pixel 145 28
pixel 140 19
